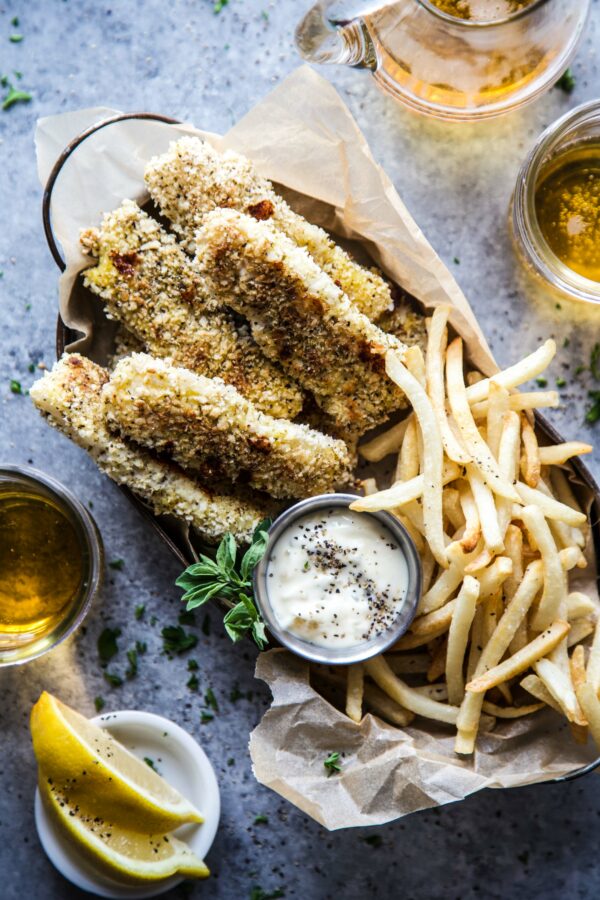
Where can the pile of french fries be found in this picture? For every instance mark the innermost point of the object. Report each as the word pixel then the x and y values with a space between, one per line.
pixel 498 633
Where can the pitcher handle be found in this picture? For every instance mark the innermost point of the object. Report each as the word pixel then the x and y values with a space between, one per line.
pixel 330 34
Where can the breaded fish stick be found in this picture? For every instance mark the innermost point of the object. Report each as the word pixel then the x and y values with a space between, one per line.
pixel 149 284
pixel 70 396
pixel 192 178
pixel 299 317
pixel 207 427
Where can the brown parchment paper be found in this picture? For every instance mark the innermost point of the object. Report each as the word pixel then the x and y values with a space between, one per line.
pixel 303 137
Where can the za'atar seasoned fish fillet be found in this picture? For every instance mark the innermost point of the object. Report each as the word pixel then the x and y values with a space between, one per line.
pixel 149 285
pixel 193 178
pixel 300 318
pixel 207 427
pixel 70 397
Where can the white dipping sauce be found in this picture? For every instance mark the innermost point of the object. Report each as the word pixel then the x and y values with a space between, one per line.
pixel 336 578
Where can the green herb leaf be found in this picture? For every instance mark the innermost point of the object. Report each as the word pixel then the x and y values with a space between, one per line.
pixel 332 763
pixel 176 640
pixel 218 5
pixel 207 578
pixel 235 694
pixel 15 386
pixel 99 703
pixel 116 564
pixel 15 21
pixel 132 669
pixel 257 893
pixel 560 382
pixel 261 819
pixel 193 683
pixel 226 555
pixel 150 762
pixel 186 617
pixel 593 414
pixel 139 611
pixel 141 647
pixel 206 716
pixel 14 97
pixel 231 761
pixel 541 381
pixel 211 700
pixel 566 82
pixel 192 665
pixel 113 679
pixel 107 644
pixel 16 38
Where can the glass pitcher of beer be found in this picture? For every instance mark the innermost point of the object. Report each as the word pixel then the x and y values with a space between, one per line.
pixel 453 59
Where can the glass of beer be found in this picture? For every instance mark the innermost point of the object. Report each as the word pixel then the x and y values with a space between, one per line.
pixel 51 562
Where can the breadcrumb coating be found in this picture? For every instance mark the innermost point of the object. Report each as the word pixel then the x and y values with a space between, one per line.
pixel 149 284
pixel 405 324
pixel 193 178
pixel 70 396
pixel 207 427
pixel 299 317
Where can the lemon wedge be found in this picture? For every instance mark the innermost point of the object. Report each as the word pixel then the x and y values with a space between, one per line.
pixel 96 772
pixel 128 855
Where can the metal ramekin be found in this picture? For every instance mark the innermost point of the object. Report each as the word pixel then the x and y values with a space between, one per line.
pixel 576 127
pixel 339 655
pixel 92 554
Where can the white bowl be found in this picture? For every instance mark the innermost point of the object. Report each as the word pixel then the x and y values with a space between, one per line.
pixel 183 763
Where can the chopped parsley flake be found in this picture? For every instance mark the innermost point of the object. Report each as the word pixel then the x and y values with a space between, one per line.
pixel 150 762
pixel 566 82
pixel 107 644
pixel 99 703
pixel 193 683
pixel 541 381
pixel 206 716
pixel 113 679
pixel 176 640
pixel 211 700
pixel 15 386
pixel 332 763
pixel 593 414
pixel 139 611
pixel 117 564
pixel 261 819
pixel 16 38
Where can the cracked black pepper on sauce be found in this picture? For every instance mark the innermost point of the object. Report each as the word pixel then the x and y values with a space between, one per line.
pixel 336 578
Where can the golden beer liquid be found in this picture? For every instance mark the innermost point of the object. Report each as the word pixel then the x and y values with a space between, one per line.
pixel 41 565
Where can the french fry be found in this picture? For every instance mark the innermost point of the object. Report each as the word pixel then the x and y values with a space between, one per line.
pixel 433 454
pixel 408 664
pixel 592 674
pixel 534 685
pixel 452 509
pixel 510 712
pixel 564 492
pixel 438 661
pixel 435 622
pixel 446 583
pixel 355 686
pixel 436 348
pixel 406 696
pixel 486 510
pixel 555 581
pixel 410 641
pixel 472 532
pixel 578 666
pixel 474 443
pixel 493 577
pixel 550 507
pixel 559 454
pixel 561 687
pixel 520 402
pixel 570 557
pixel 580 629
pixel 428 565
pixel 414 533
pixel 513 548
pixel 458 637
pixel 402 492
pixel 514 665
pixel 378 702
pixel 408 458
pixel 414 361
pixel 476 645
pixel 522 371
pixel 369 486
pixel 590 707
pixel 531 466
pixel 387 442
pixel 434 691
pixel 564 535
pixel 579 605
pixel 498 405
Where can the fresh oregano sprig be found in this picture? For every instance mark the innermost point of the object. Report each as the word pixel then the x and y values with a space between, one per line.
pixel 220 577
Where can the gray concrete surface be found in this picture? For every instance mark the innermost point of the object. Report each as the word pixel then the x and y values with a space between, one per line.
pixel 181 59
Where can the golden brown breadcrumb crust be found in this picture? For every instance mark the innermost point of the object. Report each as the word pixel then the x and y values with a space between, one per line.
pixel 299 317
pixel 148 283
pixel 193 178
pixel 70 396
pixel 207 427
